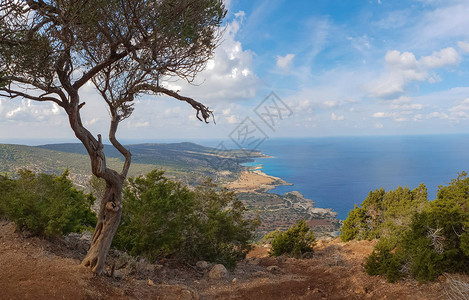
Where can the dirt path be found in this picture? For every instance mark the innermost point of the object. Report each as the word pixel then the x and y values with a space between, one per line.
pixel 32 268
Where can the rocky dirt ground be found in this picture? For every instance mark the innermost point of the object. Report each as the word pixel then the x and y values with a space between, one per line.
pixel 33 268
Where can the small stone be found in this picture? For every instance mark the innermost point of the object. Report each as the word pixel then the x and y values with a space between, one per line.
pixel 218 272
pixel 274 269
pixel 234 280
pixel 119 274
pixel 307 255
pixel 150 282
pixel 360 291
pixel 202 264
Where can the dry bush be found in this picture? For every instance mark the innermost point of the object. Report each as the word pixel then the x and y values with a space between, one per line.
pixel 457 286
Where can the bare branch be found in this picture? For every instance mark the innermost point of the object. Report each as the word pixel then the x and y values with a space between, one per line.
pixel 42 98
pixel 98 68
pixel 199 107
pixel 47 89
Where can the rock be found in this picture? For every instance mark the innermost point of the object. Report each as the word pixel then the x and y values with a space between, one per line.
pixel 274 269
pixel 307 255
pixel 202 264
pixel 234 280
pixel 119 274
pixel 86 236
pixel 259 274
pixel 218 272
pixel 254 261
pixel 360 290
pixel 150 282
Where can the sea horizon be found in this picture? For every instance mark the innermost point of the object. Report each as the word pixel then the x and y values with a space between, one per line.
pixel 339 172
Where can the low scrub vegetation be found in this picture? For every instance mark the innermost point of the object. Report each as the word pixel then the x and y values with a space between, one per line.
pixel 44 204
pixel 297 240
pixel 163 218
pixel 417 238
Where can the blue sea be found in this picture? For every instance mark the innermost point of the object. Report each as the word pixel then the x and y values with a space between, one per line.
pixel 339 172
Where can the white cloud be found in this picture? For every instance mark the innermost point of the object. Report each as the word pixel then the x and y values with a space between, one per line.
pixel 443 58
pixel 330 103
pixel 381 114
pixel 283 62
pixel 464 46
pixel 436 114
pixel 418 118
pixel 335 117
pixel 30 111
pixel 91 122
pixel 462 106
pixel 232 119
pixel 229 75
pixel 137 124
pixel 404 68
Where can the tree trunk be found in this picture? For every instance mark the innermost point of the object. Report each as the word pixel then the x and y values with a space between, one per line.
pixel 110 210
pixel 108 220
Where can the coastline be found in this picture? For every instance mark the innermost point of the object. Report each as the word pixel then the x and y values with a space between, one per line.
pixel 255 180
pixel 280 212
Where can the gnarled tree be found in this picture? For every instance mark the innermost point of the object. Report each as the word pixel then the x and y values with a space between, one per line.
pixel 49 49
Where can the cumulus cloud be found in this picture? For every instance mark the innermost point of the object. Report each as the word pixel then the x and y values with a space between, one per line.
pixel 335 117
pixel 30 111
pixel 404 68
pixel 283 62
pixel 443 58
pixel 229 74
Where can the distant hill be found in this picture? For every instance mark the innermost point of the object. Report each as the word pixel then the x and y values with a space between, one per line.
pixel 187 161
pixel 177 155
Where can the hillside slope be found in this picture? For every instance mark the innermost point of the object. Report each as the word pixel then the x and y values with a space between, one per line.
pixel 33 268
pixel 188 162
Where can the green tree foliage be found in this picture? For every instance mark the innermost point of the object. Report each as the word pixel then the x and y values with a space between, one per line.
pixel 384 214
pixel 297 240
pixel 164 218
pixel 45 205
pixel 435 241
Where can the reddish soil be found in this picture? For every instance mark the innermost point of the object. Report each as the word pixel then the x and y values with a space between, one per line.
pixel 33 268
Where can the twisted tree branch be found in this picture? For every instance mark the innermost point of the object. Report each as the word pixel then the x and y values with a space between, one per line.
pixel 201 109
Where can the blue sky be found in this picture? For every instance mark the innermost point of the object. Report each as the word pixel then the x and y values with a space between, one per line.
pixel 355 67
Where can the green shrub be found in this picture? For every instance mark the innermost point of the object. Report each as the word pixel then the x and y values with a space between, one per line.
pixel 45 205
pixel 384 214
pixel 297 240
pixel 435 241
pixel 163 218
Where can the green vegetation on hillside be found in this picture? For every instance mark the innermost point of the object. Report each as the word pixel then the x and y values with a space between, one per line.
pixel 384 214
pixel 164 218
pixel 416 238
pixel 44 204
pixel 174 155
pixel 297 240
pixel 187 162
